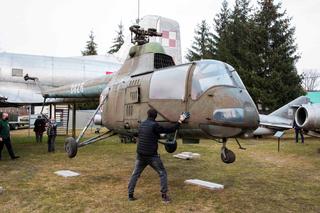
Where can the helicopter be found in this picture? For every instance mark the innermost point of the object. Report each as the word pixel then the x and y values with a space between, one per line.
pixel 210 90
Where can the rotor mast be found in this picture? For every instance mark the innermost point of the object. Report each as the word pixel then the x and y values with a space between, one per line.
pixel 140 36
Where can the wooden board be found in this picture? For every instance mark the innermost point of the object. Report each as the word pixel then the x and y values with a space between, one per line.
pixel 205 184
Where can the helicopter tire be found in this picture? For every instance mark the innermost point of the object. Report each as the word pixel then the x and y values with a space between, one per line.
pixel 71 147
pixel 229 157
pixel 171 148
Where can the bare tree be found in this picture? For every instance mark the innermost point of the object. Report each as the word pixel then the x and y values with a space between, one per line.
pixel 310 79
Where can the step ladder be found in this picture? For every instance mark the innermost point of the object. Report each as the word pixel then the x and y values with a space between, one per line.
pixel 61 114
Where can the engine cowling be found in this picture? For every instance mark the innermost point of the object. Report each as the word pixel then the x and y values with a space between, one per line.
pixel 308 117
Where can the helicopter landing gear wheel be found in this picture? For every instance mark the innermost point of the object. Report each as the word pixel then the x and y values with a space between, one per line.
pixel 227 156
pixel 171 146
pixel 71 147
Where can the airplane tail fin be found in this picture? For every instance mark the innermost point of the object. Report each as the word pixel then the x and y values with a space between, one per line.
pixel 287 111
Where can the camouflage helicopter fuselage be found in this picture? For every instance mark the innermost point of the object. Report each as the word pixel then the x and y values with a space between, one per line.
pixel 148 79
pixel 210 90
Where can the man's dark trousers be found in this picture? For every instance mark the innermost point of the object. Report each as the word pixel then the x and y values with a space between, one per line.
pixel 7 142
pixel 299 131
pixel 39 137
pixel 51 143
pixel 141 163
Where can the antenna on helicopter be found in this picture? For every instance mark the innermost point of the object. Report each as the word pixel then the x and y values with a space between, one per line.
pixel 138 19
pixel 140 36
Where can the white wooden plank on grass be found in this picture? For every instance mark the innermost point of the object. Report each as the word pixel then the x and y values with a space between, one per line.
pixel 183 156
pixel 66 173
pixel 205 184
pixel 187 155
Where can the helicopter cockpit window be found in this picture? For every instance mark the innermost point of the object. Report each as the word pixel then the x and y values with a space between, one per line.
pixel 208 74
pixel 169 83
pixel 235 76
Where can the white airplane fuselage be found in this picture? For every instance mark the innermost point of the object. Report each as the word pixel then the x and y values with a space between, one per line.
pixel 51 72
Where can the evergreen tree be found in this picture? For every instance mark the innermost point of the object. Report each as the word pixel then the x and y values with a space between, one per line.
pixel 118 41
pixel 241 33
pixel 232 31
pixel 221 23
pixel 261 47
pixel 234 38
pixel 91 47
pixel 277 51
pixel 202 44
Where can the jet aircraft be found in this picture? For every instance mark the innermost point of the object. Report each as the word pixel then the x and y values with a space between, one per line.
pixel 281 119
pixel 307 117
pixel 210 90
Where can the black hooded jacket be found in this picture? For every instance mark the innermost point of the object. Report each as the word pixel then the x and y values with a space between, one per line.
pixel 149 133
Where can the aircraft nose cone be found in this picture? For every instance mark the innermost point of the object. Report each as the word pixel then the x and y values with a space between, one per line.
pixel 251 115
pixel 234 114
pixel 245 117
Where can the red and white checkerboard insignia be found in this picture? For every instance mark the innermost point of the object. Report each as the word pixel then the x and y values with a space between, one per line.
pixel 169 39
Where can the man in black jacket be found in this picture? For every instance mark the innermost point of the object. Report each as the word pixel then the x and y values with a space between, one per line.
pixel 298 131
pixel 39 128
pixel 147 152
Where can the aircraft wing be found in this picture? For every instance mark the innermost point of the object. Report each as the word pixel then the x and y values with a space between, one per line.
pixel 275 122
pixel 269 124
pixel 15 94
pixel 83 90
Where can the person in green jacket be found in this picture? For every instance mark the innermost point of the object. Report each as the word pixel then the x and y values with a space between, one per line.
pixel 5 136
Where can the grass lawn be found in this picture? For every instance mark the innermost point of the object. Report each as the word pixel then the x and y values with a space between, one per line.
pixel 261 179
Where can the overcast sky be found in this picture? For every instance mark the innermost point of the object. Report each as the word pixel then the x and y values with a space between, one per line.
pixel 61 27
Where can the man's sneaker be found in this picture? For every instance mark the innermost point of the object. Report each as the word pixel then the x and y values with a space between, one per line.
pixel 131 197
pixel 165 198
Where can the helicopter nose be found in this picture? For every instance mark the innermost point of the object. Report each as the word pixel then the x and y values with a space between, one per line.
pixel 244 114
pixel 251 115
pixel 245 117
pixel 234 113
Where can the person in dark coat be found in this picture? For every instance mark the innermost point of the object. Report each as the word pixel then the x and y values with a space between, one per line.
pixel 5 136
pixel 147 153
pixel 52 133
pixel 298 131
pixel 39 128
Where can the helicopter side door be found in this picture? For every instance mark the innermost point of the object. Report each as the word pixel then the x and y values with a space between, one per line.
pixel 167 92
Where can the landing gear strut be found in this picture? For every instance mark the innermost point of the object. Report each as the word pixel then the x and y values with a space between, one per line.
pixel 71 144
pixel 227 156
